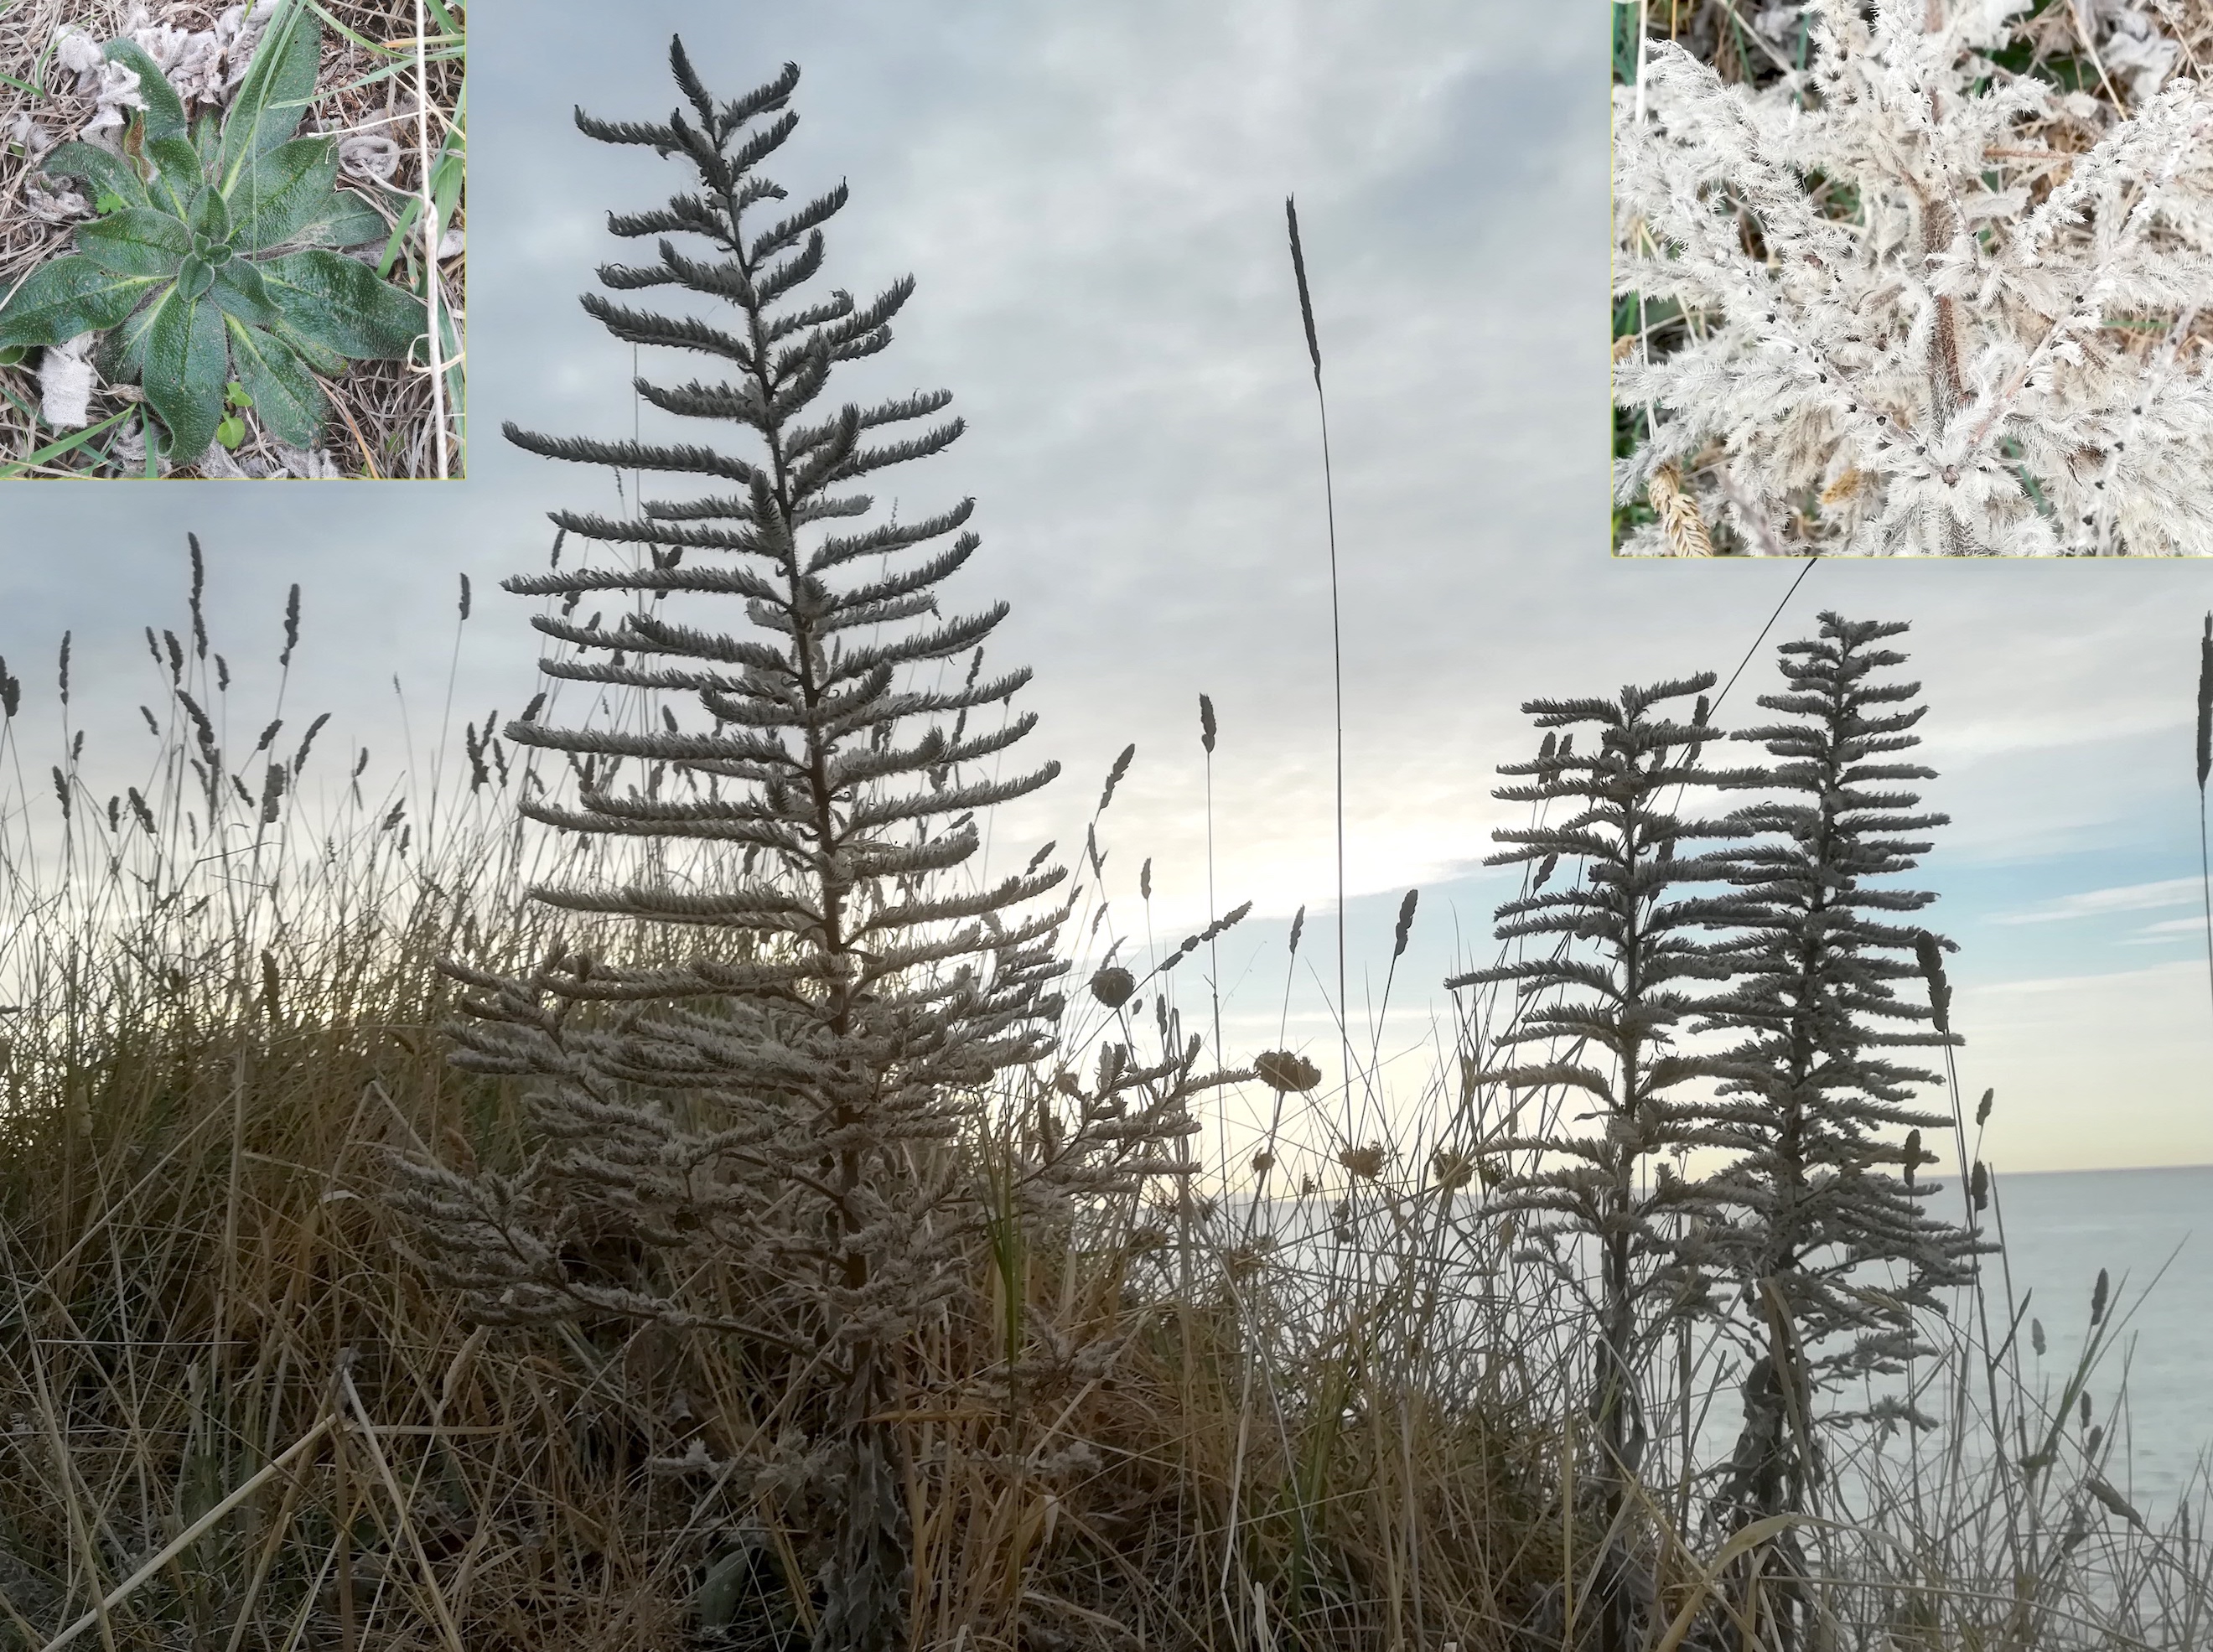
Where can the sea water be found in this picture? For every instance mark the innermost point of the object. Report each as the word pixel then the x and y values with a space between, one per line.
pixel 2151 1230
pixel 2061 1228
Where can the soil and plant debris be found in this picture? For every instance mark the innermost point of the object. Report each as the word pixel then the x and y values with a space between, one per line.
pixel 289 337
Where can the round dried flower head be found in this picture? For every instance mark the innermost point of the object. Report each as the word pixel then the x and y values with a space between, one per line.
pixel 1453 1169
pixel 1263 1162
pixel 1366 1163
pixel 1112 986
pixel 1283 1072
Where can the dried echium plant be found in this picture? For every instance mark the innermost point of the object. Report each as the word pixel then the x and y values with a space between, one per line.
pixel 769 1127
pixel 1618 969
pixel 1821 1117
pixel 1908 331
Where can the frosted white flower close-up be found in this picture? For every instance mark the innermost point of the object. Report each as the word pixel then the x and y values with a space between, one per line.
pixel 1916 324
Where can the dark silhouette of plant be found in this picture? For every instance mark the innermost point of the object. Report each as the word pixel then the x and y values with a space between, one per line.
pixel 779 1113
pixel 1821 1113
pixel 1622 957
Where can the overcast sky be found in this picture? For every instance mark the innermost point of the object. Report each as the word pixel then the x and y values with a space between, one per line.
pixel 1091 199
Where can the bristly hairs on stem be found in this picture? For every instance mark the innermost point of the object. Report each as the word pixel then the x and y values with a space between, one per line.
pixel 1336 644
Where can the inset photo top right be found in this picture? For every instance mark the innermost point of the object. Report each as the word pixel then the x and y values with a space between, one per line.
pixel 1917 278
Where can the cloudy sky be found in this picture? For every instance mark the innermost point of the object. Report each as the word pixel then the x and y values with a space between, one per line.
pixel 1091 199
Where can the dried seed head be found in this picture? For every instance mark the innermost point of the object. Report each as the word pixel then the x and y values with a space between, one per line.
pixel 1452 1169
pixel 1930 953
pixel 1366 1163
pixel 1405 923
pixel 1298 918
pixel 1979 1188
pixel 2098 1296
pixel 1306 302
pixel 1206 723
pixel 1844 487
pixel 1680 523
pixel 1263 1162
pixel 2036 1335
pixel 1983 1112
pixel 1114 775
pixel 2205 704
pixel 1112 986
pixel 1286 1073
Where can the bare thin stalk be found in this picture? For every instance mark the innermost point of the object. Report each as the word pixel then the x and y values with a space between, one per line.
pixel 1336 649
pixel 430 240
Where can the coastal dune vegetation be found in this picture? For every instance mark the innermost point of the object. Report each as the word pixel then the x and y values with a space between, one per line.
pixel 644 1179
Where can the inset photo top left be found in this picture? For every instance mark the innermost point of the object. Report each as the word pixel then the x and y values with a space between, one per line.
pixel 232 240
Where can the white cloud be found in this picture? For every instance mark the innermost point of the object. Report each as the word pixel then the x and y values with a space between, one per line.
pixel 2122 897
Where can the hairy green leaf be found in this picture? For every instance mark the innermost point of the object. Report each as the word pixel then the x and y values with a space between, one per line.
pixel 209 217
pixel 340 304
pixel 177 178
pixel 68 296
pixel 282 391
pixel 186 365
pixel 321 357
pixel 276 92
pixel 164 114
pixel 136 241
pixel 107 175
pixel 348 221
pixel 288 195
pixel 239 289
pixel 121 357
pixel 167 271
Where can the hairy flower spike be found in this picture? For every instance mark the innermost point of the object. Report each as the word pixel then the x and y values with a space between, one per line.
pixel 784 1098
pixel 1613 971
pixel 1810 1088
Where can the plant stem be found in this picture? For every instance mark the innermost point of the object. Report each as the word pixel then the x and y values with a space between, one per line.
pixel 431 231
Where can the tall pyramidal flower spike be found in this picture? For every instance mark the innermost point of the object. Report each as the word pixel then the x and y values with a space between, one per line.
pixel 1822 1114
pixel 1616 966
pixel 770 1110
pixel 1913 333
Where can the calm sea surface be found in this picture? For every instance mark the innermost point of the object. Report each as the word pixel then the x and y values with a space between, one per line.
pixel 2061 1228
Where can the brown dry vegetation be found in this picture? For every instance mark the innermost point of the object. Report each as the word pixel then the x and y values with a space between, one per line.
pixel 380 423
pixel 234 1414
